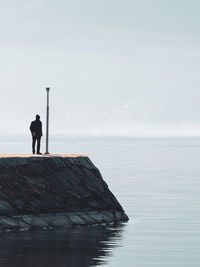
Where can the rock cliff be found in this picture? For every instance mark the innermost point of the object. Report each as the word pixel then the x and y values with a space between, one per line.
pixel 43 191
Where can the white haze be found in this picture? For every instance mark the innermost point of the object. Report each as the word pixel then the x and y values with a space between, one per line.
pixel 114 67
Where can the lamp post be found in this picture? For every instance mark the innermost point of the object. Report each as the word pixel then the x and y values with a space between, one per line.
pixel 47 122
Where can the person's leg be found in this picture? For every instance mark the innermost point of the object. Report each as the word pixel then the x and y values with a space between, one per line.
pixel 38 144
pixel 33 144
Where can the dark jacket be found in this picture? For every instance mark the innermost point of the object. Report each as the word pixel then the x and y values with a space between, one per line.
pixel 36 127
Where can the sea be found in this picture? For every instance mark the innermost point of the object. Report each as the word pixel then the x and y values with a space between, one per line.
pixel 156 180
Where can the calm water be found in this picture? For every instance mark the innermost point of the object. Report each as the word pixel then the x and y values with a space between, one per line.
pixel 157 181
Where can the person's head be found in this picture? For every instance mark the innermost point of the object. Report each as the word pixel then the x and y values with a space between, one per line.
pixel 37 117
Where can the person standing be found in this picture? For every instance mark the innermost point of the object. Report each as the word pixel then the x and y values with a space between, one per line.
pixel 36 131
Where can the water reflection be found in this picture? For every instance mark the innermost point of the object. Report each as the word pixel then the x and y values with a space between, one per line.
pixel 74 247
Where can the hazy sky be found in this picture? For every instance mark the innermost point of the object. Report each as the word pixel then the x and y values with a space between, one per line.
pixel 114 66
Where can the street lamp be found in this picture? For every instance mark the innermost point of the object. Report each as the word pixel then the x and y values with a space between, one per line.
pixel 47 122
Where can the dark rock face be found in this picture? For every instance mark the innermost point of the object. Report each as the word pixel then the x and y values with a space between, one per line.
pixel 42 187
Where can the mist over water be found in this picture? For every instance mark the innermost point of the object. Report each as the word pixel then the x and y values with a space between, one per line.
pixel 128 68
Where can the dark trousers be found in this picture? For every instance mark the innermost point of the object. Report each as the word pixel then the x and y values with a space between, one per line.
pixel 36 138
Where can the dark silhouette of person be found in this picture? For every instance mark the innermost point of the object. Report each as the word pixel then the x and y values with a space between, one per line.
pixel 36 131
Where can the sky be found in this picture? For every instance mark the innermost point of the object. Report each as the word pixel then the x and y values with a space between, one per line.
pixel 114 67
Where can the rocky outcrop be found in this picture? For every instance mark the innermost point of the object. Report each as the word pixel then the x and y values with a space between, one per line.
pixel 43 191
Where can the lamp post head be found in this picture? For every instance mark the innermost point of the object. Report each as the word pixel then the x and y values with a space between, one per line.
pixel 48 89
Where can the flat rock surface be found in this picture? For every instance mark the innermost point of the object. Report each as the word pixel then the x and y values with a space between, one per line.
pixel 43 155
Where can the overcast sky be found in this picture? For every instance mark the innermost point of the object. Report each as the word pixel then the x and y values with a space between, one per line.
pixel 114 66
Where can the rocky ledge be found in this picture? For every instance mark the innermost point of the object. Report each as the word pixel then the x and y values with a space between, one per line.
pixel 52 191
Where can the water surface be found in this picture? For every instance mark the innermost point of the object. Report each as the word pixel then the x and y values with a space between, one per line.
pixel 157 182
